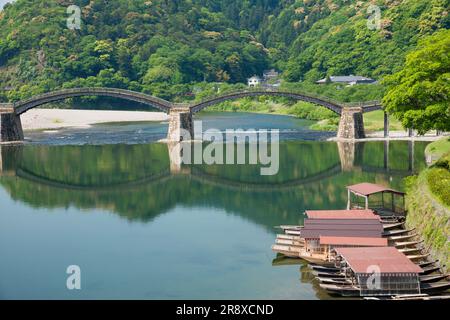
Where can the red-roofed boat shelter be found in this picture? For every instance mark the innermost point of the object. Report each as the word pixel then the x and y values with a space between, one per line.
pixel 342 214
pixel 385 201
pixel 379 271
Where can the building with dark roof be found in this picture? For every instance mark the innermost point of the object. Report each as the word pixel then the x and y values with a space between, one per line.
pixel 348 80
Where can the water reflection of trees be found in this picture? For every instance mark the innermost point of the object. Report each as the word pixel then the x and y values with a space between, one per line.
pixel 97 167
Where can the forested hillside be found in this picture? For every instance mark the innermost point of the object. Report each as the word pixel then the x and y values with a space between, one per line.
pixel 167 47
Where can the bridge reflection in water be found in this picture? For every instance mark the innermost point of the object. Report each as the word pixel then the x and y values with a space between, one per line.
pixel 143 181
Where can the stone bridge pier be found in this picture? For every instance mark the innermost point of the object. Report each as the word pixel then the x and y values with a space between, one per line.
pixel 10 124
pixel 351 125
pixel 181 126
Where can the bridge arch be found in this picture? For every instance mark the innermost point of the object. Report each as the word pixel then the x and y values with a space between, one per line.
pixel 33 102
pixel 329 104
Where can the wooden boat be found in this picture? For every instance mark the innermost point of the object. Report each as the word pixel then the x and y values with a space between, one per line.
pixel 418 257
pixel 282 260
pixel 324 268
pixel 290 237
pixel 411 250
pixel 387 220
pixel 317 259
pixel 401 238
pixel 325 274
pixel 350 290
pixel 407 244
pixel 429 270
pixel 427 263
pixel 390 226
pixel 290 243
pixel 346 290
pixel 433 288
pixel 391 218
pixel 397 232
pixel 288 251
pixel 424 297
pixel 341 281
pixel 289 227
pixel 433 278
pixel 293 232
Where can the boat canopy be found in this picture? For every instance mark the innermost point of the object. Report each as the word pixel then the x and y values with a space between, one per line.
pixel 385 259
pixel 367 189
pixel 366 228
pixel 379 203
pixel 341 214
pixel 381 271
pixel 354 241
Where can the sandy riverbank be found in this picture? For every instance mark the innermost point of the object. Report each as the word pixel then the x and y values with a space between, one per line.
pixel 40 119
pixel 52 119
pixel 395 136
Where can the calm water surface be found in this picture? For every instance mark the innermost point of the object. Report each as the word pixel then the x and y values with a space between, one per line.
pixel 106 199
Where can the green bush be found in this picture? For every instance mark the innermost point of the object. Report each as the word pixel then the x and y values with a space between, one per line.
pixel 309 111
pixel 438 180
pixel 443 162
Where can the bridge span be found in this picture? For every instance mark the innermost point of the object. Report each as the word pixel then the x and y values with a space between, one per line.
pixel 351 126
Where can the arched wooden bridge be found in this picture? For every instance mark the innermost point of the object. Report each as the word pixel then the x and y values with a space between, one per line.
pixel 351 126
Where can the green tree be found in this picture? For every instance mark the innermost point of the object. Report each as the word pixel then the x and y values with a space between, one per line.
pixel 419 94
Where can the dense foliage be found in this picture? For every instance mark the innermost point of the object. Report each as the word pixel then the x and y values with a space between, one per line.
pixel 168 48
pixel 419 94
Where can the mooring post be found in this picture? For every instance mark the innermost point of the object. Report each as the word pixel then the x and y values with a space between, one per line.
pixel 411 155
pixel 386 155
pixel 386 124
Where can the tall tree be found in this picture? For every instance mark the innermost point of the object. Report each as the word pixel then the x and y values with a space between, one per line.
pixel 419 94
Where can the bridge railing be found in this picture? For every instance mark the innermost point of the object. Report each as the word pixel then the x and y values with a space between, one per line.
pixel 263 89
pixel 167 104
pixel 94 91
pixel 284 91
pixel 363 104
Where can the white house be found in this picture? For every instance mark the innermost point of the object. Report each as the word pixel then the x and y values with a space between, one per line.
pixel 254 81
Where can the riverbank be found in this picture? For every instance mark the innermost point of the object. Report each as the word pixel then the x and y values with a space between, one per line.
pixel 393 136
pixel 52 119
pixel 428 204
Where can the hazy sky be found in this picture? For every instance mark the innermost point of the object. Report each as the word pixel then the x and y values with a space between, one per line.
pixel 2 2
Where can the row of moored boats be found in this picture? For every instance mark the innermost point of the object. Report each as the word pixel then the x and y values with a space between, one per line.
pixel 365 252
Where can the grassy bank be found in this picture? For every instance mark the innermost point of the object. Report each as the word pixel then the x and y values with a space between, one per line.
pixel 437 149
pixel 326 120
pixel 374 121
pixel 428 204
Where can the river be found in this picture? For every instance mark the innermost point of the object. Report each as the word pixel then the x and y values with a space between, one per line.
pixel 108 200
